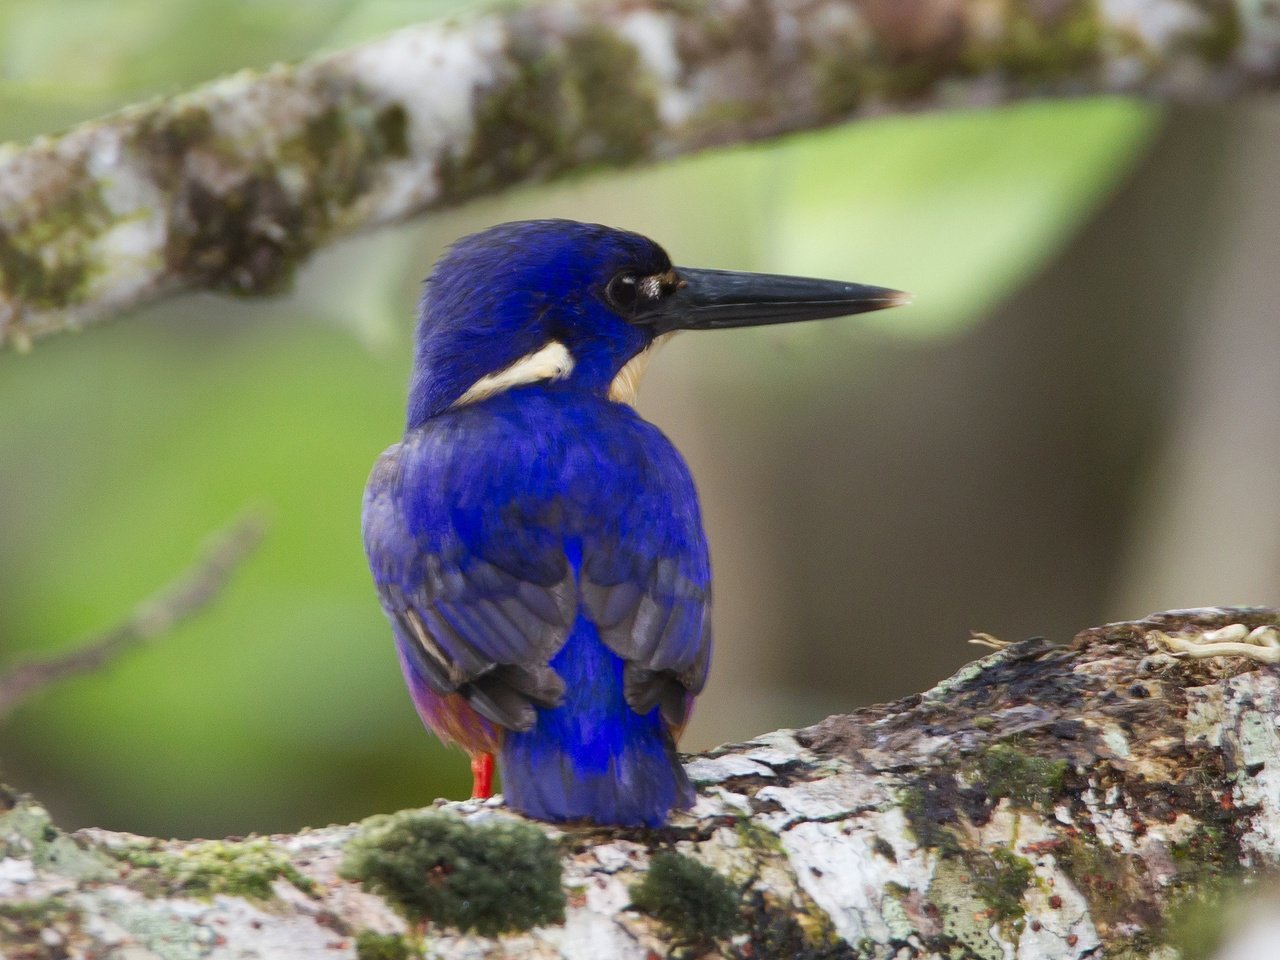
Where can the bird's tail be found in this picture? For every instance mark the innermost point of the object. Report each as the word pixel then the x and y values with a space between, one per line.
pixel 593 757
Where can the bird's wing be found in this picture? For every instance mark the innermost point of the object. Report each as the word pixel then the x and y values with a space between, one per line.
pixel 645 582
pixel 468 624
pixel 469 527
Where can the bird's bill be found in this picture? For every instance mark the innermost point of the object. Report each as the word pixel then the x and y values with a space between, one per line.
pixel 719 299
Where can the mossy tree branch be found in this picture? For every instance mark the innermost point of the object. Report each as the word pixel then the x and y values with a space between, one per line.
pixel 229 186
pixel 1105 798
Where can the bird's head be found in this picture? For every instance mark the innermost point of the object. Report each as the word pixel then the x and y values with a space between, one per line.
pixel 581 304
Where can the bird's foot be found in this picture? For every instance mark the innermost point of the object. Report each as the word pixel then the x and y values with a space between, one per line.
pixel 1234 640
pixel 482 776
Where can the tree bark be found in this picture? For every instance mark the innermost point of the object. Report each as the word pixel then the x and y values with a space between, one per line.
pixel 229 186
pixel 1104 798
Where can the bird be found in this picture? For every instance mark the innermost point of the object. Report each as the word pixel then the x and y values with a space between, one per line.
pixel 535 543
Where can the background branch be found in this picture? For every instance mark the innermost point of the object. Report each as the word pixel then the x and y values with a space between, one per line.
pixel 230 186
pixel 182 598
pixel 1100 799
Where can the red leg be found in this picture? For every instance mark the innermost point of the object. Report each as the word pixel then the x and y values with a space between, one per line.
pixel 481 776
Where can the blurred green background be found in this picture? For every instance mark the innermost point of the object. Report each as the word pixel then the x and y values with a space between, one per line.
pixel 1022 451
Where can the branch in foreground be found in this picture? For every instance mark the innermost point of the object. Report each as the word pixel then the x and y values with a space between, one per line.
pixel 230 186
pixel 179 600
pixel 1046 802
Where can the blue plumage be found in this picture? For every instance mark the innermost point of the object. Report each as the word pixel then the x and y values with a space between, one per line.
pixel 486 519
pixel 504 293
pixel 594 757
pixel 537 545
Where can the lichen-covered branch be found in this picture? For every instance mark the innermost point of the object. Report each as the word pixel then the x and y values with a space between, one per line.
pixel 182 598
pixel 1105 798
pixel 229 186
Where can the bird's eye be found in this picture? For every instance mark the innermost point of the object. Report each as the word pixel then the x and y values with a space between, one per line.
pixel 623 292
pixel 637 296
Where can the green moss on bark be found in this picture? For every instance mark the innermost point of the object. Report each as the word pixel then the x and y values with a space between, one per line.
pixel 1041 43
pixel 1001 878
pixel 246 229
pixel 48 263
pixel 1005 771
pixel 493 877
pixel 695 902
pixel 775 929
pixel 382 946
pixel 1218 43
pixel 247 868
pixel 584 102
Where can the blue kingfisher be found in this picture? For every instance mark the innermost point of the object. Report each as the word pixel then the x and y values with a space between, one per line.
pixel 536 544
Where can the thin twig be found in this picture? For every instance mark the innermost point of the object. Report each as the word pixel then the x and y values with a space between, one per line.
pixel 177 601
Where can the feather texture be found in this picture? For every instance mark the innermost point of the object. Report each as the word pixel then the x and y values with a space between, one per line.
pixel 541 557
pixel 535 544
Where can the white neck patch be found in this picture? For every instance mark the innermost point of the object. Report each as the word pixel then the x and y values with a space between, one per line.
pixel 552 362
pixel 626 384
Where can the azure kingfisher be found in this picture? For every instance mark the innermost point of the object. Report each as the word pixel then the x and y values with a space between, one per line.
pixel 536 544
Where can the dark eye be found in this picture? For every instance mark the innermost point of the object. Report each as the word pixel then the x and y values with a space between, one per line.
pixel 638 295
pixel 623 292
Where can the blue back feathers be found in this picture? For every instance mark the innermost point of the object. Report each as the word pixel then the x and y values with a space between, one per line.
pixel 594 758
pixel 540 551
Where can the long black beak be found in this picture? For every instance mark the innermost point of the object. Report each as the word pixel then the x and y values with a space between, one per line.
pixel 716 299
